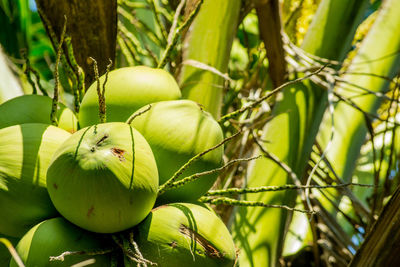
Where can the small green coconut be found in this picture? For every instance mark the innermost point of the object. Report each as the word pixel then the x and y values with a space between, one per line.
pixel 104 178
pixel 53 237
pixel 25 154
pixel 127 90
pixel 35 109
pixel 177 131
pixel 183 234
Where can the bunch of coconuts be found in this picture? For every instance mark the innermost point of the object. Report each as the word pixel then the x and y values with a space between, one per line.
pixel 90 196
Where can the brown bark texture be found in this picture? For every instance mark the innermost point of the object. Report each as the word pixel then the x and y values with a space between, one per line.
pixel 92 26
pixel 270 26
pixel 382 244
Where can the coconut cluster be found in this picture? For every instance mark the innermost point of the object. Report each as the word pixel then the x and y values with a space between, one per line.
pixel 88 192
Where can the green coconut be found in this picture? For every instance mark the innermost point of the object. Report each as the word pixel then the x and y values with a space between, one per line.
pixel 182 234
pixel 127 90
pixel 177 131
pixel 35 109
pixel 25 154
pixel 5 255
pixel 104 178
pixel 53 237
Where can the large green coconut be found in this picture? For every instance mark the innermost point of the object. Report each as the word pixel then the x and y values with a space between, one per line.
pixel 25 154
pixel 177 131
pixel 183 234
pixel 53 237
pixel 127 90
pixel 35 109
pixel 104 178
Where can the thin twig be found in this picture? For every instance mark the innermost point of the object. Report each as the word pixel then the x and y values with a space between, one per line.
pixel 196 176
pixel 239 191
pixel 28 71
pixel 84 263
pixel 331 111
pixel 79 73
pixel 140 25
pixel 179 172
pixel 175 21
pixel 137 114
pixel 247 203
pixel 73 77
pixel 128 54
pixel 132 38
pixel 28 75
pixel 157 16
pixel 203 66
pixel 176 34
pixel 54 105
pixel 12 251
pixel 100 93
pixel 268 95
pixel 354 105
pixel 62 256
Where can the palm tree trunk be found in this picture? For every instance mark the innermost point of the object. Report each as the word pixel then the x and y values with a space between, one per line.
pixel 208 42
pixel 92 26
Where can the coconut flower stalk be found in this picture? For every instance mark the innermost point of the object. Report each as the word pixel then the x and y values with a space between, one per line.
pixel 258 232
pixel 206 51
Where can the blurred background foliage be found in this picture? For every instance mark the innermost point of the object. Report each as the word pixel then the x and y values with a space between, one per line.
pixel 22 32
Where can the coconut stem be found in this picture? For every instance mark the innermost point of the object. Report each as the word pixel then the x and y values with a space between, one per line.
pixel 28 71
pixel 172 42
pixel 101 93
pixel 12 251
pixel 72 75
pixel 62 256
pixel 238 191
pixel 126 50
pixel 179 172
pixel 78 87
pixel 39 85
pixel 131 39
pixel 54 106
pixel 133 255
pixel 235 202
pixel 175 20
pixel 135 115
pixel 157 16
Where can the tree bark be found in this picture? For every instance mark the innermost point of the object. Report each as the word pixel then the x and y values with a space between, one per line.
pixel 92 25
pixel 382 245
pixel 270 26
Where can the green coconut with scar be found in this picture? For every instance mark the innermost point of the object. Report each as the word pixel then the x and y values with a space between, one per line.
pixel 25 154
pixel 57 242
pixel 104 178
pixel 177 131
pixel 182 234
pixel 127 90
pixel 36 109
